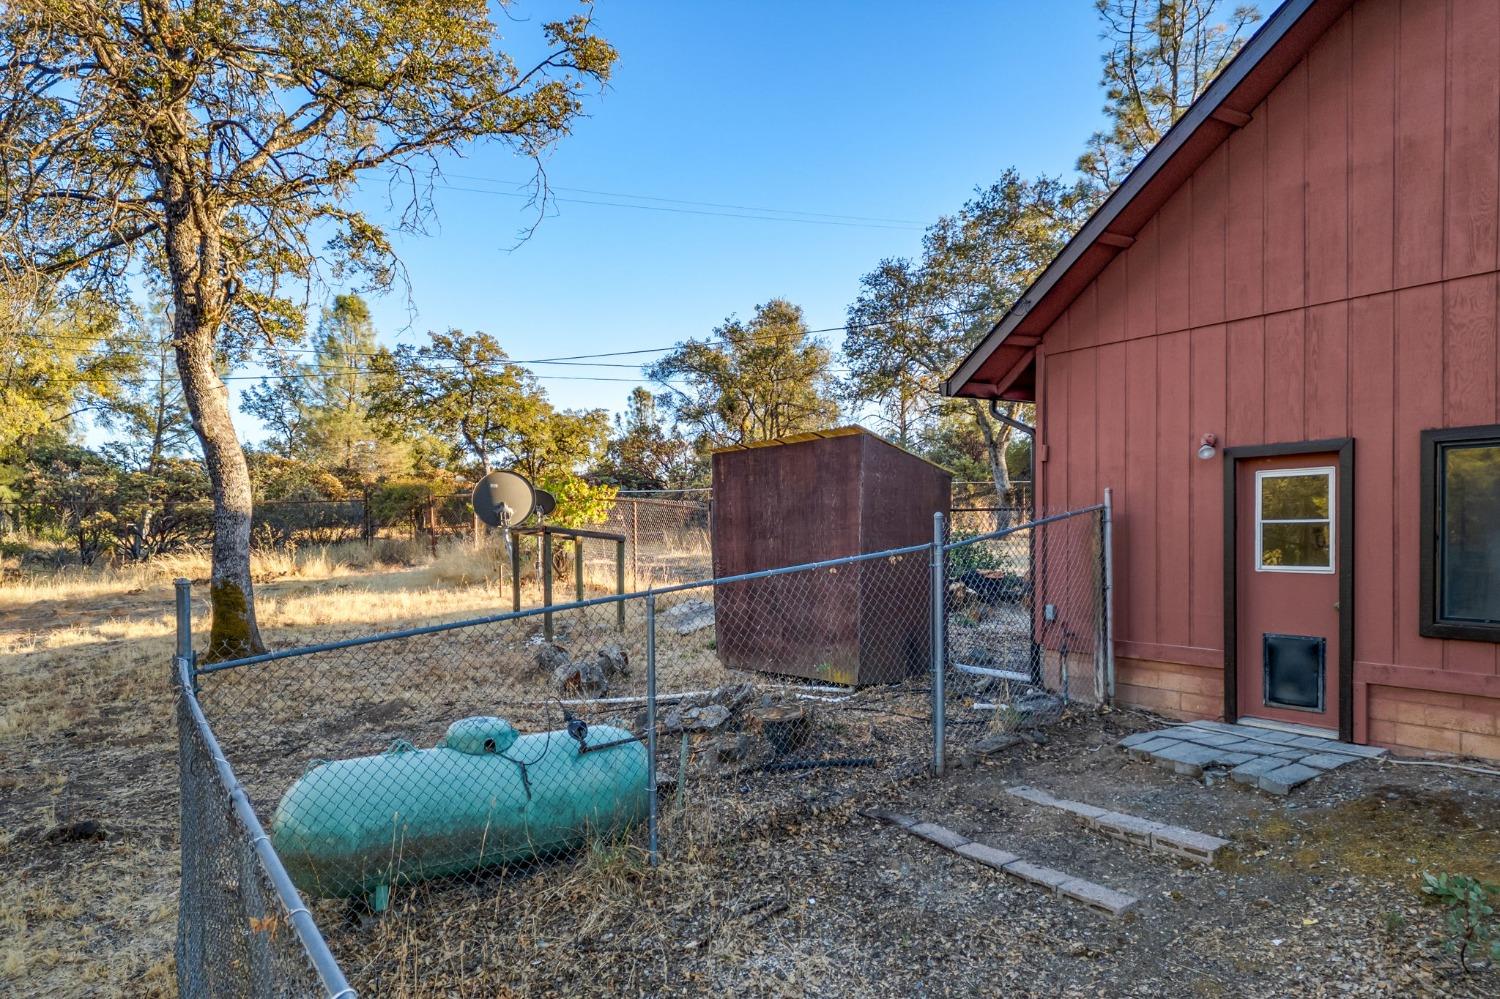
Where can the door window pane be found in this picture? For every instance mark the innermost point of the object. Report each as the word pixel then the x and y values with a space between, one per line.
pixel 1294 497
pixel 1295 545
pixel 1293 522
pixel 1469 548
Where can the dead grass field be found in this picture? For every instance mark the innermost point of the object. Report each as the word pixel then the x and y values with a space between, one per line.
pixel 88 767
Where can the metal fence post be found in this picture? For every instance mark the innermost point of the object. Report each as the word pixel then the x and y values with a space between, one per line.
pixel 620 584
pixel 547 582
pixel 515 570
pixel 184 603
pixel 1107 597
pixel 578 567
pixel 939 630
pixel 651 725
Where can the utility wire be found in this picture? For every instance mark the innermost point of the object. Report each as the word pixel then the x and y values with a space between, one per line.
pixel 564 359
pixel 683 201
pixel 682 211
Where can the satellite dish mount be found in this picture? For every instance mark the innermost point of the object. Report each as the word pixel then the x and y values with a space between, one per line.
pixel 504 499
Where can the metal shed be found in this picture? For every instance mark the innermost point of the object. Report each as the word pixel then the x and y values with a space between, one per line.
pixel 808 498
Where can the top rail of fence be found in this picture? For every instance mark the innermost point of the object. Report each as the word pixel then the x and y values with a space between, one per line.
pixel 992 535
pixel 432 629
pixel 308 934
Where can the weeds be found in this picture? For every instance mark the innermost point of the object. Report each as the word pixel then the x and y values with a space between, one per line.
pixel 1469 914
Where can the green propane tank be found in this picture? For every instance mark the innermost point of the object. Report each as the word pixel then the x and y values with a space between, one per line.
pixel 484 796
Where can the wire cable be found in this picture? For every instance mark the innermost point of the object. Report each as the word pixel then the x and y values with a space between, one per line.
pixel 519 185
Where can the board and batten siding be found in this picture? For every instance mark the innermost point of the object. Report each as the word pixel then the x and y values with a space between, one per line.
pixel 1330 271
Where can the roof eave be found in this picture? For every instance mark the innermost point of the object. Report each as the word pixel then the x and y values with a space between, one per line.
pixel 1210 106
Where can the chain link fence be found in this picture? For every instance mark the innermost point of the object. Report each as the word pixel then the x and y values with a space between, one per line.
pixel 456 805
pixel 1027 621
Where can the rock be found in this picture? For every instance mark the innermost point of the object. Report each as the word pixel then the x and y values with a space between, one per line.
pixel 734 748
pixel 695 719
pixel 1038 708
pixel 733 696
pixel 689 616
pixel 550 657
pixel 587 679
pixel 995 743
pixel 613 662
pixel 960 597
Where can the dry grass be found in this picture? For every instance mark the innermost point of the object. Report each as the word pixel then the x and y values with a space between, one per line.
pixel 86 734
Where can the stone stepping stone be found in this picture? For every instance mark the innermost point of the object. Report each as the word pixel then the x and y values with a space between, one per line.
pixel 1096 897
pixel 1271 760
pixel 1283 779
pixel 1186 844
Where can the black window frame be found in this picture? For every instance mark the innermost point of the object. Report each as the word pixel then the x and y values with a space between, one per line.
pixel 1432 624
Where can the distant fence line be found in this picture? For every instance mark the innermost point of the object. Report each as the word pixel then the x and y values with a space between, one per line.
pixel 643 514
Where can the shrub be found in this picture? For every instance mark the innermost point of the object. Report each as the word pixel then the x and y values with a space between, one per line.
pixel 1469 914
pixel 978 557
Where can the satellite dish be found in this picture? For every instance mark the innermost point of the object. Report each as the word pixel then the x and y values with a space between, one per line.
pixel 504 499
pixel 545 503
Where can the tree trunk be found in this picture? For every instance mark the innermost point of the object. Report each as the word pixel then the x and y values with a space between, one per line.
pixel 199 295
pixel 996 437
pixel 234 632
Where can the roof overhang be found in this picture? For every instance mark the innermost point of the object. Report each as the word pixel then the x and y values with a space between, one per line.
pixel 994 369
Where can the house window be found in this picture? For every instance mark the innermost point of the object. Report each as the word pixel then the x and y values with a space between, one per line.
pixel 1461 533
pixel 1294 520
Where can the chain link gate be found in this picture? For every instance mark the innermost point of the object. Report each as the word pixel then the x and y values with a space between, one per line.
pixel 1027 631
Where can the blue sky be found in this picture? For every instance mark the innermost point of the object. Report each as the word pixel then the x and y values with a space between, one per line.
pixel 870 109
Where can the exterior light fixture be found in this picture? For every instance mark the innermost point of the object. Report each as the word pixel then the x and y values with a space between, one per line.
pixel 1207 447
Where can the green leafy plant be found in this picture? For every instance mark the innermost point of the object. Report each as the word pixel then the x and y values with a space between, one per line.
pixel 1469 914
pixel 979 556
pixel 579 504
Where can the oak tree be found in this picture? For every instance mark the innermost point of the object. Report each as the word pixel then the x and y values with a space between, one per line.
pixel 213 145
pixel 913 321
pixel 751 380
pixel 462 390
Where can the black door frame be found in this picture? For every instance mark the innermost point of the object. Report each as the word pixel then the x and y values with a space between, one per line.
pixel 1344 448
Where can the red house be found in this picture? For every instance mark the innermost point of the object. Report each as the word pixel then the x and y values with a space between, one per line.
pixel 1277 343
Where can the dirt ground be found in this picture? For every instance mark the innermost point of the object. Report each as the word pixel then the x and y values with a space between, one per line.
pixel 1319 897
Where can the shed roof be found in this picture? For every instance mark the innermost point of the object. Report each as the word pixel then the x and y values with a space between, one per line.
pixel 850 430
pixel 1000 367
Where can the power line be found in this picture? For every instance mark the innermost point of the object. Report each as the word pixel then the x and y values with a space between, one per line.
pixel 300 375
pixel 683 211
pixel 684 201
pixel 564 359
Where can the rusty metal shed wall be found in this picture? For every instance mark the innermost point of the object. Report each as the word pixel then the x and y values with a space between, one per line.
pixel 810 499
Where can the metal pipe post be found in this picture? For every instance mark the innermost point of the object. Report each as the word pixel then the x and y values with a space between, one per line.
pixel 939 635
pixel 620 583
pixel 514 543
pixel 184 603
pixel 547 582
pixel 1108 596
pixel 651 725
pixel 635 543
pixel 578 567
